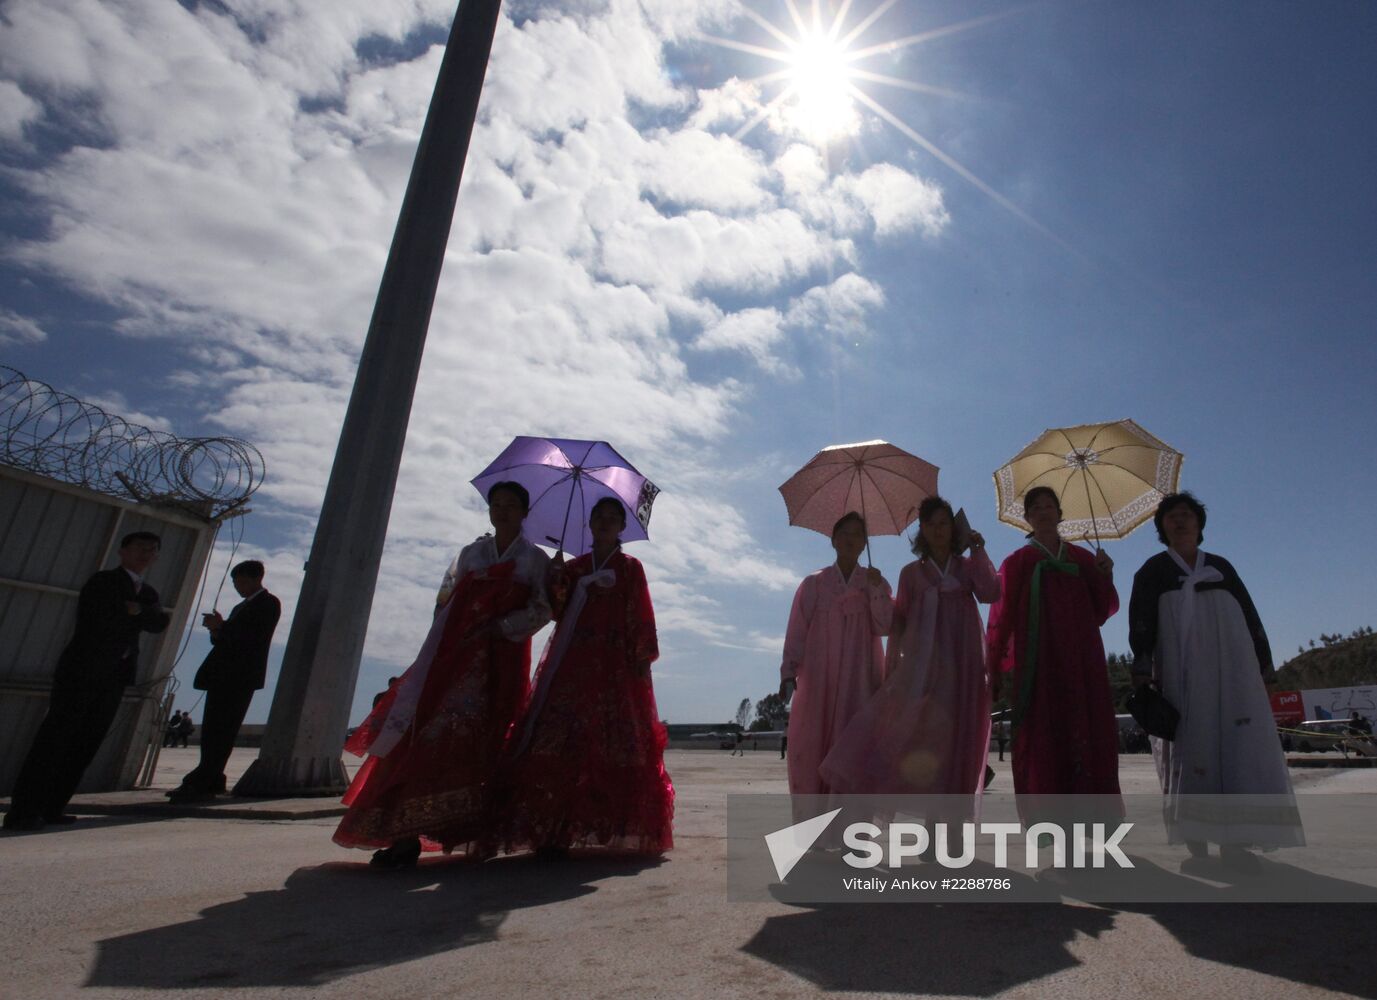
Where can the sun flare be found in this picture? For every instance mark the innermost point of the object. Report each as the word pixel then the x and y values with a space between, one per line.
pixel 819 76
pixel 825 93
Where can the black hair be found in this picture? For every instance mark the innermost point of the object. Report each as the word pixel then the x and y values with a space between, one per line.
pixel 850 515
pixel 931 505
pixel 609 501
pixel 1170 503
pixel 1039 491
pixel 251 568
pixel 516 489
pixel 140 536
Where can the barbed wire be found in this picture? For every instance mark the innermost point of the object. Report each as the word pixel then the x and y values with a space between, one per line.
pixel 55 434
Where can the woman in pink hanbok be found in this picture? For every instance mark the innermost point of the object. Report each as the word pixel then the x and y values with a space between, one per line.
pixel 833 659
pixel 927 730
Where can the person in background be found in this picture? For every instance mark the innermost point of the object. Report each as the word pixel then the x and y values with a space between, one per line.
pixel 170 730
pixel 114 608
pixel 235 668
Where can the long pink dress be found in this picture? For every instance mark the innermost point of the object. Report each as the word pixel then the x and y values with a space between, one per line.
pixel 832 651
pixel 1065 738
pixel 927 730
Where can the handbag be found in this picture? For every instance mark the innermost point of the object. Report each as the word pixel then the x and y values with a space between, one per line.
pixel 1151 710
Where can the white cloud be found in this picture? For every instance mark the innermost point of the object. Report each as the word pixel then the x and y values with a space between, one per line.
pixel 17 329
pixel 839 308
pixel 896 200
pixel 239 206
pixel 755 332
pixel 17 109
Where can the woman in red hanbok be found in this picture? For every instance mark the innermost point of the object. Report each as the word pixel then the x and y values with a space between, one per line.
pixel 588 764
pixel 1045 628
pixel 435 737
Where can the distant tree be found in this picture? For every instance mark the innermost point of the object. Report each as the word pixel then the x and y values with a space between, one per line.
pixel 743 713
pixel 772 710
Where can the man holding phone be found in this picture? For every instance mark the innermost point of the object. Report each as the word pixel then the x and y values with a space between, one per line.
pixel 235 668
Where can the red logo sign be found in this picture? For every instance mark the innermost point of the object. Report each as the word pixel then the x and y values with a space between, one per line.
pixel 1287 708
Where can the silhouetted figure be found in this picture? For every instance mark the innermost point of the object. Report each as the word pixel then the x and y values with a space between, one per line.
pixel 170 732
pixel 102 659
pixel 391 681
pixel 235 668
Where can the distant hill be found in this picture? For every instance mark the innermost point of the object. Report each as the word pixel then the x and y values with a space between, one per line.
pixel 1340 661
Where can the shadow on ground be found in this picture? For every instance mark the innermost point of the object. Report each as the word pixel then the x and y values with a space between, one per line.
pixel 339 919
pixel 982 949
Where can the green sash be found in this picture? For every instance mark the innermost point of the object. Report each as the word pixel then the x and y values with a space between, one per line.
pixel 1030 659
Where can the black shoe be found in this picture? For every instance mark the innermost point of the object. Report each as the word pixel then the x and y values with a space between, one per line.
pixel 402 854
pixel 189 796
pixel 989 776
pixel 60 819
pixel 1198 848
pixel 23 821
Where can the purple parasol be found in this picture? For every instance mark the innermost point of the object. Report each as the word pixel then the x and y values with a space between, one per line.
pixel 565 479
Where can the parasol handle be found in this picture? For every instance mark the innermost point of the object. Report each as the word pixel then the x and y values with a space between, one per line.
pixel 568 507
pixel 866 522
pixel 1085 481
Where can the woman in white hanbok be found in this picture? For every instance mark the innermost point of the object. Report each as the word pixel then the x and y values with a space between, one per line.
pixel 1195 633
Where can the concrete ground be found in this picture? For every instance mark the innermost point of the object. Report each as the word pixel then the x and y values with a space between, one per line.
pixel 161 905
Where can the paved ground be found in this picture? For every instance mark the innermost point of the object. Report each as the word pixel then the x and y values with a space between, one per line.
pixel 138 905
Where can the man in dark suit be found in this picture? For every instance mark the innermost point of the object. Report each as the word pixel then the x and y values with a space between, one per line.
pixel 102 659
pixel 235 668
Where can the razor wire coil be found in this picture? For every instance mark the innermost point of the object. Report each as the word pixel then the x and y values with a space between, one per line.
pixel 55 434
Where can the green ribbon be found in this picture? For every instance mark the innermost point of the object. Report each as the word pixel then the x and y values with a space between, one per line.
pixel 1025 685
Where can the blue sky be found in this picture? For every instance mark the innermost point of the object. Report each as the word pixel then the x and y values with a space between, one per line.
pixel 198 200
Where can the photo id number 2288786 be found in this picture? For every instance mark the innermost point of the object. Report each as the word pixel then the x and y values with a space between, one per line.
pixel 976 884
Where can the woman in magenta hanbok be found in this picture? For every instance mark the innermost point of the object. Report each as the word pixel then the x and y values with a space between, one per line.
pixel 1045 629
pixel 588 764
pixel 833 659
pixel 927 730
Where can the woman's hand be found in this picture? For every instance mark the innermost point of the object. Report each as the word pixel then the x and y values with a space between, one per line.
pixel 874 577
pixel 977 541
pixel 786 689
pixel 1103 563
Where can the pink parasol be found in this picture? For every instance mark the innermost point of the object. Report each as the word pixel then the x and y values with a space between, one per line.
pixel 884 484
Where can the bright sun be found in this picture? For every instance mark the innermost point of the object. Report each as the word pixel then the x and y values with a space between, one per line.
pixel 819 76
pixel 826 85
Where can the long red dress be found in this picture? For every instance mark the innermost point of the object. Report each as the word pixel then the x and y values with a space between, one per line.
pixel 435 782
pixel 589 768
pixel 1065 738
